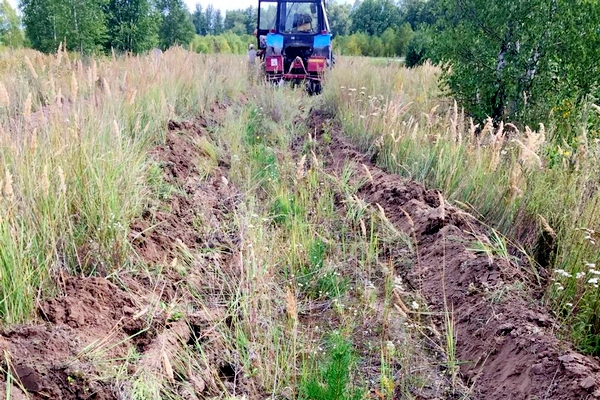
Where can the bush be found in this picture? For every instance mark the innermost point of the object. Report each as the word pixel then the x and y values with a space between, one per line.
pixel 418 49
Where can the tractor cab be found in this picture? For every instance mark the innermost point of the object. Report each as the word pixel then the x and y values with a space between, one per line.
pixel 295 41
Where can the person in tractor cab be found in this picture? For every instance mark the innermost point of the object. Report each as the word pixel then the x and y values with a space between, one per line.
pixel 302 23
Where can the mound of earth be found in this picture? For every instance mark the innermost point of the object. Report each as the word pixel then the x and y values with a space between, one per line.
pixel 505 340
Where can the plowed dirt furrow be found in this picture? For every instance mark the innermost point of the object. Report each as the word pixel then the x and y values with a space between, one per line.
pixel 89 331
pixel 505 340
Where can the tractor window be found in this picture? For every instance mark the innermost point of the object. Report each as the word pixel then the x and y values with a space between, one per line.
pixel 297 17
pixel 268 15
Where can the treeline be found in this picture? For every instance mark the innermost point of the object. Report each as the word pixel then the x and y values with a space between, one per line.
pixel 371 27
pixel 380 28
pixel 225 43
pixel 95 26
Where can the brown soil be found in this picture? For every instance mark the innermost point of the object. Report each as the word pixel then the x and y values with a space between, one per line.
pixel 506 340
pixel 64 355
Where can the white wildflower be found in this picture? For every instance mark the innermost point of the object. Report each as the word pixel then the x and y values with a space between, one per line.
pixel 562 272
pixel 594 272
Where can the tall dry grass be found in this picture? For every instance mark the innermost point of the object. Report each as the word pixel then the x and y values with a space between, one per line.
pixel 541 192
pixel 74 136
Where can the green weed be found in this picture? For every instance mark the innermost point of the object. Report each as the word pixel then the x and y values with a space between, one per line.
pixel 331 379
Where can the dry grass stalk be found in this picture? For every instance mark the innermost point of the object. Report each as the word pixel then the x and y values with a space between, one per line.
pixel 381 211
pixel 59 54
pixel 363 227
pixel 368 172
pixel 488 129
pixel 62 180
pixel 27 107
pixel 45 183
pixel 472 128
pixel 546 226
pixel 32 70
pixel 442 206
pixel 4 97
pixel 290 305
pixel 516 181
pixel 431 116
pixel 132 97
pixel 106 87
pixel 315 160
pixel 530 145
pixel 300 172
pixel 411 222
pixel 116 129
pixel 52 85
pixel 454 123
pixel 167 366
pixel 74 87
pixel 496 146
pixel 514 128
pixel 9 193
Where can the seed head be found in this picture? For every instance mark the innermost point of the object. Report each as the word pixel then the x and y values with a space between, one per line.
pixel 27 107
pixel 4 98
pixel 62 180
pixel 8 185
pixel 290 305
pixel 31 68
pixel 74 87
pixel 45 181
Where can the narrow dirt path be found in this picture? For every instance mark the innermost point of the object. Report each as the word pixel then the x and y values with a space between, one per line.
pixel 505 341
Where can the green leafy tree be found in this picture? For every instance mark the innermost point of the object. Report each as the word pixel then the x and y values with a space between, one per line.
pixel 339 18
pixel 217 23
pixel 388 39
pixel 404 35
pixel 235 21
pixel 419 12
pixel 376 48
pixel 11 34
pixel 373 17
pixel 251 19
pixel 132 25
pixel 417 51
pixel 518 58
pixel 79 23
pixel 199 21
pixel 209 16
pixel 176 27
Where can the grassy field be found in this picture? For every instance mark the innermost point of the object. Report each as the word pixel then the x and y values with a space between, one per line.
pixel 527 183
pixel 304 302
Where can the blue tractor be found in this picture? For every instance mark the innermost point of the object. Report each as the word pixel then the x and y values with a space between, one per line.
pixel 294 41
